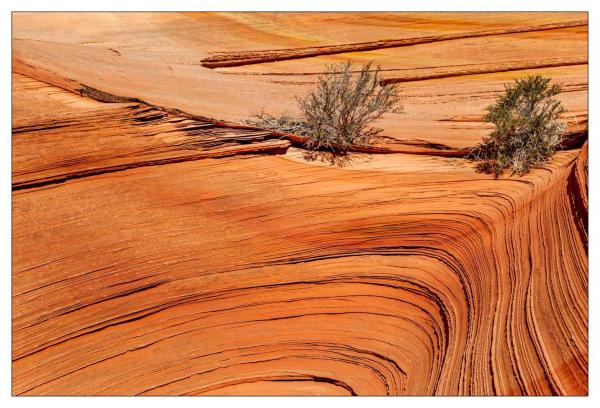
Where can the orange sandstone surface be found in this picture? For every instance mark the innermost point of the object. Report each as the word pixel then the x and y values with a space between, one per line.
pixel 161 247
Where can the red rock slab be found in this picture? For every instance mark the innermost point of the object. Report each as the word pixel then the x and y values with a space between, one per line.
pixel 72 137
pixel 398 274
pixel 161 64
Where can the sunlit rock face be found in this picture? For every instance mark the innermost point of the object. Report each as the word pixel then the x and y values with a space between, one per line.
pixel 161 247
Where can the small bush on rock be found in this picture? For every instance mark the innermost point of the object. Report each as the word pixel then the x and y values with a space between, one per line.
pixel 339 113
pixel 527 129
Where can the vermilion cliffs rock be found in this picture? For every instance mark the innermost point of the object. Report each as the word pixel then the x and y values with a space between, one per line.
pixel 160 247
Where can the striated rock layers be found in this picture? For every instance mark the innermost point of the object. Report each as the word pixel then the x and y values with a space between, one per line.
pixel 160 248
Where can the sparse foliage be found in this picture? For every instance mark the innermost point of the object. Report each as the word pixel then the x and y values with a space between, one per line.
pixel 339 113
pixel 527 127
pixel 284 123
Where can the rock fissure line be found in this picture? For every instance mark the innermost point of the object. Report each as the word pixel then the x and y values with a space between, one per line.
pixel 488 69
pixel 263 148
pixel 235 59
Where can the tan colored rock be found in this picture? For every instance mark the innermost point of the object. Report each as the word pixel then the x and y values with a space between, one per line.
pixel 159 248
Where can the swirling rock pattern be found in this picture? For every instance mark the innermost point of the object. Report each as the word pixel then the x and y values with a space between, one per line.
pixel 159 251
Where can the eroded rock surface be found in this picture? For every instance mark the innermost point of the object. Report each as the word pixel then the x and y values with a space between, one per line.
pixel 161 248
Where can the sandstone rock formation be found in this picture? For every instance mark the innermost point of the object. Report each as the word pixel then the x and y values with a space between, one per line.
pixel 162 248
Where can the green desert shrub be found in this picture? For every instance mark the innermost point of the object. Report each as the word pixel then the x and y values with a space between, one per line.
pixel 339 113
pixel 527 127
